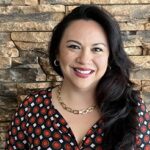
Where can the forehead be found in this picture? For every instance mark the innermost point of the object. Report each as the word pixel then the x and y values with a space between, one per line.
pixel 87 29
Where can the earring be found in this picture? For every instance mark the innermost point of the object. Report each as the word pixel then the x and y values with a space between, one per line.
pixel 56 63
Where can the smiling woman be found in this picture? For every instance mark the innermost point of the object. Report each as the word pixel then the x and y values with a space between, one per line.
pixel 96 106
pixel 83 54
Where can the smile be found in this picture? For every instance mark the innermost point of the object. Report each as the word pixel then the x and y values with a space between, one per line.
pixel 83 72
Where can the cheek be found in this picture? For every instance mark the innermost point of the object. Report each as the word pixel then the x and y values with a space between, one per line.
pixel 66 58
pixel 101 62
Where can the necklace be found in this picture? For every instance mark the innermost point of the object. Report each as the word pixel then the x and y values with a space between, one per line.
pixel 74 111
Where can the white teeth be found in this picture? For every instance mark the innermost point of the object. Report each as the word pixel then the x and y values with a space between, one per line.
pixel 83 71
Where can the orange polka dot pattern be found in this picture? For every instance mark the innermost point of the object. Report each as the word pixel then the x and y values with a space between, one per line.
pixel 37 125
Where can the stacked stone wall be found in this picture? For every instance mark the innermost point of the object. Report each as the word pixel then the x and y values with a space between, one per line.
pixel 25 31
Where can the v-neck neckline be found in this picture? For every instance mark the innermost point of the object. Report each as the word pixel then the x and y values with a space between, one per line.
pixel 66 125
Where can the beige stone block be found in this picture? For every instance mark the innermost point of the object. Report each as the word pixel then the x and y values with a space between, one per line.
pixel 2 145
pixel 8 89
pixel 68 2
pixel 118 1
pixel 128 1
pixel 69 9
pixel 24 74
pixel 21 98
pixel 31 36
pixel 146 45
pixel 25 88
pixel 144 36
pixel 6 10
pixel 33 66
pixel 4 126
pixel 129 11
pixel 137 83
pixel 31 9
pixel 147 26
pixel 31 2
pixel 5 62
pixel 28 26
pixel 148 107
pixel 54 78
pixel 51 78
pixel 41 76
pixel 45 65
pixel 31 22
pixel 5 2
pixel 140 74
pixel 132 42
pixel 56 16
pixel 26 46
pixel 146 88
pixel 29 60
pixel 131 26
pixel 146 98
pixel 51 8
pixel 24 2
pixel 55 84
pixel 4 37
pixel 133 50
pixel 51 72
pixel 3 10
pixel 146 83
pixel 2 136
pixel 146 48
pixel 117 10
pixel 33 85
pixel 17 2
pixel 99 1
pixel 141 61
pixel 8 86
pixel 6 114
pixel 8 50
pixel 122 18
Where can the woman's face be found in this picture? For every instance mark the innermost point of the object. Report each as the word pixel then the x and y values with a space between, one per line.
pixel 83 54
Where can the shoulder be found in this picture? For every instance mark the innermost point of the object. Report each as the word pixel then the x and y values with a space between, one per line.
pixel 143 114
pixel 143 134
pixel 40 98
pixel 142 109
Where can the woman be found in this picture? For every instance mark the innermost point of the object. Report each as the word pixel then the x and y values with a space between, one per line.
pixel 96 106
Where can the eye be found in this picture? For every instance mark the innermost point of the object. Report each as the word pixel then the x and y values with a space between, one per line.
pixel 73 46
pixel 97 49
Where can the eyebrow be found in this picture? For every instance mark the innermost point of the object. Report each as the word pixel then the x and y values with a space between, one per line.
pixel 81 44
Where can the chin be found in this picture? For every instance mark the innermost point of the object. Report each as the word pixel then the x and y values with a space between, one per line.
pixel 86 86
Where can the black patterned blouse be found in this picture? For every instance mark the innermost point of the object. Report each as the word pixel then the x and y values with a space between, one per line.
pixel 37 125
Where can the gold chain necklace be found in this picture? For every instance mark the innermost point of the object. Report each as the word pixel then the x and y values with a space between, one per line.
pixel 74 111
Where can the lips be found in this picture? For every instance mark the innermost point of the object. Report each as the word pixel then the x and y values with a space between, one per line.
pixel 83 72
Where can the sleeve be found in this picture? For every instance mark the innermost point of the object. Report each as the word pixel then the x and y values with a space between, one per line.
pixel 16 138
pixel 143 136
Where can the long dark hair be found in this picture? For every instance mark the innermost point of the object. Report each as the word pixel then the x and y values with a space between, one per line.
pixel 114 93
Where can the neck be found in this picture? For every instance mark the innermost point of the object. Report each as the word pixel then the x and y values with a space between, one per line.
pixel 77 98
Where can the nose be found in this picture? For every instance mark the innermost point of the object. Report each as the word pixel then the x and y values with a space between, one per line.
pixel 84 57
